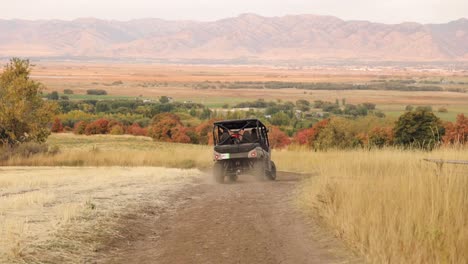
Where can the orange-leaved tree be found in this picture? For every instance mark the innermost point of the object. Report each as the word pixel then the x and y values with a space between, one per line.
pixel 278 139
pixel 205 132
pixel 381 137
pixel 307 136
pixel 99 126
pixel 167 127
pixel 457 133
pixel 136 130
pixel 57 126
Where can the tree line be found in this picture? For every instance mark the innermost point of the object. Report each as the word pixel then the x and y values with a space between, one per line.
pixel 25 117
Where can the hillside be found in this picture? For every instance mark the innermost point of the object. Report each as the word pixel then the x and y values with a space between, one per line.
pixel 248 37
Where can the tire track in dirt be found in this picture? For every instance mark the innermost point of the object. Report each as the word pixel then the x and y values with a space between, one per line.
pixel 242 222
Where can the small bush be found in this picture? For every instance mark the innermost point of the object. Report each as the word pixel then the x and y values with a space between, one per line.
pixel 53 96
pixel 80 128
pixel 442 110
pixel 97 127
pixel 26 150
pixel 96 92
pixel 57 126
pixel 68 91
pixel 117 130
pixel 136 130
pixel 30 148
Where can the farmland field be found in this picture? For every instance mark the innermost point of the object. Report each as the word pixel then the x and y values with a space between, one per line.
pixel 130 81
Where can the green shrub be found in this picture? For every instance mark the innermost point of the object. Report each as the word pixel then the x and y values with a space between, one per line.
pixel 96 92
pixel 420 128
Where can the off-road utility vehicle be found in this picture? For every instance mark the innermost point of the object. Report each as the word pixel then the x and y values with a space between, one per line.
pixel 242 146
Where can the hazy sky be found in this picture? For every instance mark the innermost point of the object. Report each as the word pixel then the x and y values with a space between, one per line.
pixel 389 11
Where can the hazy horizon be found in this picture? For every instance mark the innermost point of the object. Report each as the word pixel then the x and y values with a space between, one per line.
pixel 391 12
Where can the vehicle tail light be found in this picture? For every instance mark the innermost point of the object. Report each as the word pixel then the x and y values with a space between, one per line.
pixel 253 154
pixel 217 156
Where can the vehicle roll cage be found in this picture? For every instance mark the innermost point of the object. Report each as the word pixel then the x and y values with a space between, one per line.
pixel 229 125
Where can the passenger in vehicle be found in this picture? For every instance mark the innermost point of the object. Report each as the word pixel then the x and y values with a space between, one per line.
pixel 225 138
pixel 254 136
pixel 246 137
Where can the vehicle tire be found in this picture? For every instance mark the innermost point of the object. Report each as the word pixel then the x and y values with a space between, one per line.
pixel 259 169
pixel 233 177
pixel 218 172
pixel 271 175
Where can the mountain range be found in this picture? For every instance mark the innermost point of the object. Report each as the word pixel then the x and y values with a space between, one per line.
pixel 248 37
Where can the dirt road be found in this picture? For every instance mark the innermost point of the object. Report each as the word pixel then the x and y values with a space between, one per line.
pixel 242 222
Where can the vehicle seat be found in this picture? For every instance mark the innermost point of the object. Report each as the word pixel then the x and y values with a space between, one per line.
pixel 225 138
pixel 254 136
pixel 246 137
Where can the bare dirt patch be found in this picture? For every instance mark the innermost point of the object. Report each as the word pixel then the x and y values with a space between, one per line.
pixel 242 222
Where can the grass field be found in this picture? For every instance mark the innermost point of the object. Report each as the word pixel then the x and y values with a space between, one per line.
pixel 105 150
pixel 60 215
pixel 389 205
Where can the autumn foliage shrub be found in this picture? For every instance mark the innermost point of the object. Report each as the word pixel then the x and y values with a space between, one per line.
pixel 204 131
pixel 116 130
pixel 457 133
pixel 57 126
pixel 380 137
pixel 80 128
pixel 167 127
pixel 308 136
pixel 278 139
pixel 136 130
pixel 99 126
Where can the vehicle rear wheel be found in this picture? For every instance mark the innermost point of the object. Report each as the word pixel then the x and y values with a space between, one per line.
pixel 233 177
pixel 272 173
pixel 218 172
pixel 259 169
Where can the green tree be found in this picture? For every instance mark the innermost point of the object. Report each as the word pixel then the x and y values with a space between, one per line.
pixel 24 116
pixel 53 96
pixel 280 119
pixel 420 128
pixel 164 99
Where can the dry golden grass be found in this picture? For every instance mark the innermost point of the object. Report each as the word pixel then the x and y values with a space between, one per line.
pixel 389 204
pixel 107 150
pixel 57 215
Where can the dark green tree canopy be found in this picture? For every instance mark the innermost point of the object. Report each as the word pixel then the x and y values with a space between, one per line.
pixel 24 115
pixel 420 128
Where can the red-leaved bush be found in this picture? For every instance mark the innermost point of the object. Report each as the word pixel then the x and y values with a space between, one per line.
pixel 136 130
pixel 57 126
pixel 80 127
pixel 204 131
pixel 167 127
pixel 457 133
pixel 380 137
pixel 278 139
pixel 307 136
pixel 99 126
